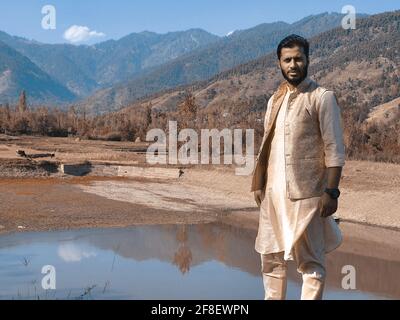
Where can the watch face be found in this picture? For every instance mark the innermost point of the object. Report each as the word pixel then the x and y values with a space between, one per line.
pixel 334 193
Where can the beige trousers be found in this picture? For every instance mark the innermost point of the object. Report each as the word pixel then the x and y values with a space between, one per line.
pixel 309 256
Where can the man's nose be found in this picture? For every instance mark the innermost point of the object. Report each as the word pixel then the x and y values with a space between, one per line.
pixel 292 64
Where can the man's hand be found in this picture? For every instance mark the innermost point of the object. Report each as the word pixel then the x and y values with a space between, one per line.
pixel 327 206
pixel 258 197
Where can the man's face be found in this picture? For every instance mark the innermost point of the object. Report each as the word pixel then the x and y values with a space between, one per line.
pixel 294 65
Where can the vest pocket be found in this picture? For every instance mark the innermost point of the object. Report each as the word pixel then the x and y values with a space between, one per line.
pixel 307 177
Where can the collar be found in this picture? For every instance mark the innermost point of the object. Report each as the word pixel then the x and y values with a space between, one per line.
pixel 283 88
pixel 302 87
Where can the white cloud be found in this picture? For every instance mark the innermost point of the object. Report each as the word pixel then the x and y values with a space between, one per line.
pixel 69 252
pixel 76 34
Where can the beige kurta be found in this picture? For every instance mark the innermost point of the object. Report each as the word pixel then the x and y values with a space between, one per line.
pixel 283 221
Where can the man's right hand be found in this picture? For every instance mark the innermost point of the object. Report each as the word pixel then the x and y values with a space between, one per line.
pixel 258 197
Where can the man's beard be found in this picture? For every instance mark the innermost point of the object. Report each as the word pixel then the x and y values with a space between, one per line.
pixel 296 82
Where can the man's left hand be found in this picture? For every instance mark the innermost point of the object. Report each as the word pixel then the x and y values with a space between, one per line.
pixel 327 205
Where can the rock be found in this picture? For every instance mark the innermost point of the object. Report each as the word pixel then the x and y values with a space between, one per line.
pixel 138 140
pixel 21 153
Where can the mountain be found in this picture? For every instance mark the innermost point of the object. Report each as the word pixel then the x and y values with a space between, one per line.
pixel 384 114
pixel 362 66
pixel 70 65
pixel 84 69
pixel 18 73
pixel 138 51
pixel 240 47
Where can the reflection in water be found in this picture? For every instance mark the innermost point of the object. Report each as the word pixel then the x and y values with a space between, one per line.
pixel 69 252
pixel 183 257
pixel 209 261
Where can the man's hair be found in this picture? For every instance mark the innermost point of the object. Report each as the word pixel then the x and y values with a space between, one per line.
pixel 292 41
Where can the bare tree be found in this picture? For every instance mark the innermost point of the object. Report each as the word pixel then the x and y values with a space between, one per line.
pixel 187 112
pixel 22 107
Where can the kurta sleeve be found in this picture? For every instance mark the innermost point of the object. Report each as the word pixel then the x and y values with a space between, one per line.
pixel 330 122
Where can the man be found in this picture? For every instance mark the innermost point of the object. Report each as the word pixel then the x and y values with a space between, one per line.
pixel 296 177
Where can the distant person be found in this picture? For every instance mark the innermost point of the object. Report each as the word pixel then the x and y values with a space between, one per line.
pixel 296 177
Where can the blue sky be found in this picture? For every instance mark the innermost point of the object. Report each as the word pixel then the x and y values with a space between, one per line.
pixel 117 18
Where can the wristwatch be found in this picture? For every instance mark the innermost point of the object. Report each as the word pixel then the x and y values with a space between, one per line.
pixel 333 193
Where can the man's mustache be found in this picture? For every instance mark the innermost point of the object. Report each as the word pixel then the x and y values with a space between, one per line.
pixel 295 70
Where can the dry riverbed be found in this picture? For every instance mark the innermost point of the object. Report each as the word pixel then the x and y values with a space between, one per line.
pixel 34 196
